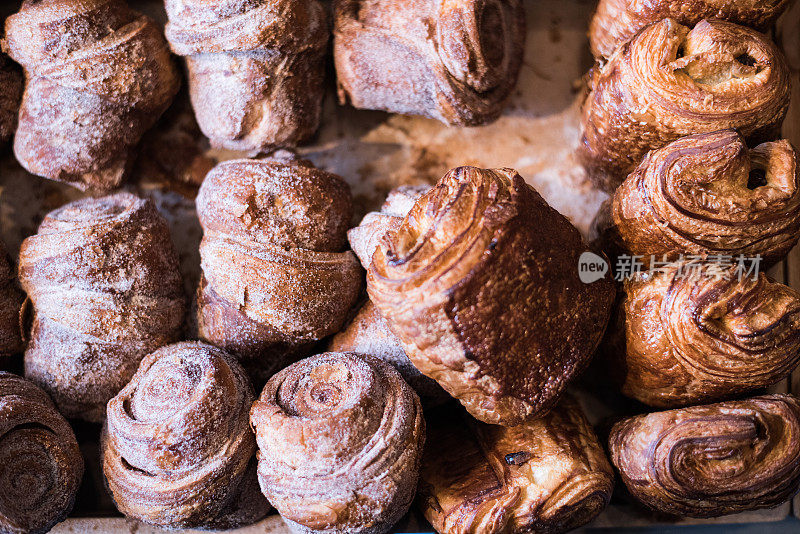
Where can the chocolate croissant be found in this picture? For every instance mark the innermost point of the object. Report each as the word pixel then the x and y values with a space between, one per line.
pixel 456 61
pixel 11 299
pixel 40 463
pixel 480 284
pixel 699 332
pixel 11 83
pixel 102 276
pixel 275 279
pixel 340 439
pixel 615 21
pixel 255 68
pixel 177 448
pixel 708 194
pixel 98 75
pixel 669 81
pixel 708 461
pixel 549 474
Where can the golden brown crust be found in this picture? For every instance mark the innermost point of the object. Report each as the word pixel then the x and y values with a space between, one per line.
pixel 177 447
pixel 707 461
pixel 548 475
pixel 615 21
pixel 98 75
pixel 40 464
pixel 275 280
pixel 11 83
pixel 695 332
pixel 103 278
pixel 340 439
pixel 453 60
pixel 669 81
pixel 708 194
pixel 482 276
pixel 255 68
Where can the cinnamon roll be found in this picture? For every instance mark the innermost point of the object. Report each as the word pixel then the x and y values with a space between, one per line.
pixel 707 461
pixel 708 194
pixel 698 332
pixel 669 81
pixel 275 279
pixel 456 61
pixel 98 75
pixel 340 439
pixel 549 474
pixel 615 21
pixel 40 464
pixel 11 299
pixel 177 448
pixel 255 68
pixel 11 82
pixel 102 276
pixel 481 276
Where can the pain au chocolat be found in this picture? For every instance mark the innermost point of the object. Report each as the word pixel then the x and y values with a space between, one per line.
pixel 713 460
pixel 549 474
pixel 708 194
pixel 615 21
pixel 694 332
pixel 480 284
pixel 669 81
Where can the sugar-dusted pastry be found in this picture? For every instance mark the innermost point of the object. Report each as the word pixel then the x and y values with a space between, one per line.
pixel 10 302
pixel 669 81
pixel 698 332
pixel 102 276
pixel 480 284
pixel 98 75
pixel 255 68
pixel 713 460
pixel 340 439
pixel 456 61
pixel 708 194
pixel 549 474
pixel 615 21
pixel 40 464
pixel 11 83
pixel 276 277
pixel 178 451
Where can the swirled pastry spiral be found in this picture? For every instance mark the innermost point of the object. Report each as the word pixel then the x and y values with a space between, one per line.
pixel 177 445
pixel 699 332
pixel 708 194
pixel 707 461
pixel 615 21
pixel 98 75
pixel 103 278
pixel 452 60
pixel 255 68
pixel 480 284
pixel 11 299
pixel 40 464
pixel 669 81
pixel 549 474
pixel 275 279
pixel 11 82
pixel 340 439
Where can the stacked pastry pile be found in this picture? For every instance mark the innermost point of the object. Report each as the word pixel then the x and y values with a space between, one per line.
pixel 289 378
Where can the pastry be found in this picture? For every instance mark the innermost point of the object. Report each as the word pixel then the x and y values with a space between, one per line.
pixel 547 475
pixel 340 439
pixel 40 464
pixel 102 277
pixel 695 332
pixel 255 68
pixel 708 461
pixel 669 81
pixel 275 277
pixel 615 21
pixel 480 283
pixel 455 61
pixel 177 448
pixel 708 194
pixel 98 75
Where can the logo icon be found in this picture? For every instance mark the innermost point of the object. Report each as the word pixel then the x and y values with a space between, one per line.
pixel 591 267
